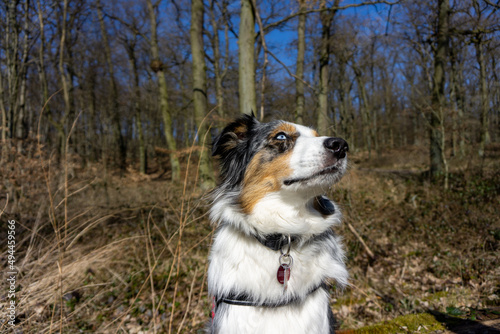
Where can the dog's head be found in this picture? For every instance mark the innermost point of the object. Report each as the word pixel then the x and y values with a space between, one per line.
pixel 260 159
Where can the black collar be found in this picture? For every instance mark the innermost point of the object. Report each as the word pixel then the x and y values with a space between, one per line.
pixel 275 241
pixel 243 299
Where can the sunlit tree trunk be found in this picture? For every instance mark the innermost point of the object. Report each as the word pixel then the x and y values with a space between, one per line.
pixel 219 91
pixel 246 66
pixel 364 109
pixel 299 74
pixel 322 119
pixel 157 67
pixel 438 166
pixel 200 93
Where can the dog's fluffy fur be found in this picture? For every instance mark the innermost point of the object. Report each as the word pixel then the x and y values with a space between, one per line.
pixel 273 177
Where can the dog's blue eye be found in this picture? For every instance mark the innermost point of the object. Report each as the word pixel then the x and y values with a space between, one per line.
pixel 281 136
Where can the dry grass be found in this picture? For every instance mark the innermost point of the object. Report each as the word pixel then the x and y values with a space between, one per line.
pixel 100 253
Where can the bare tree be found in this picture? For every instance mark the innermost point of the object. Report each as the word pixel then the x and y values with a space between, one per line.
pixel 158 67
pixel 438 165
pixel 130 46
pixel 200 92
pixel 246 42
pixel 118 139
pixel 299 74
pixel 323 119
pixel 219 71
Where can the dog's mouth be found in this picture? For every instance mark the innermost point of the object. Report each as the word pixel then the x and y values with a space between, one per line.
pixel 332 169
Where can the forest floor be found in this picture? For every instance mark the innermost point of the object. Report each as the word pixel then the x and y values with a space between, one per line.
pixel 100 252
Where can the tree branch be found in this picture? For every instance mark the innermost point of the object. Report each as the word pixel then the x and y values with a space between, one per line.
pixel 131 27
pixel 334 8
pixel 497 5
pixel 290 72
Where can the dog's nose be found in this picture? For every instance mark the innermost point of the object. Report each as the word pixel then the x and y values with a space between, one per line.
pixel 337 146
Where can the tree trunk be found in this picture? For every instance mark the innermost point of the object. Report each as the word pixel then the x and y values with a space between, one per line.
pixel 21 131
pixel 130 48
pixel 246 58
pixel 323 120
pixel 219 75
pixel 119 140
pixel 3 125
pixel 457 100
pixel 63 76
pixel 485 135
pixel 299 75
pixel 157 66
pixel 364 110
pixel 495 97
pixel 436 122
pixel 200 93
pixel 13 68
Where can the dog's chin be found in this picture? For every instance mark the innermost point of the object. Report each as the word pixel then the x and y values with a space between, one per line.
pixel 321 179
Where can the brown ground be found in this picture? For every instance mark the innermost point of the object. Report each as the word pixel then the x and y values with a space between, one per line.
pixel 102 253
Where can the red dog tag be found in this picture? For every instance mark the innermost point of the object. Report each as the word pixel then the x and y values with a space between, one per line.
pixel 283 273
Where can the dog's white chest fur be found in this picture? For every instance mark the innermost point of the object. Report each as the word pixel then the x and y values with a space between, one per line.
pixel 308 317
pixel 241 264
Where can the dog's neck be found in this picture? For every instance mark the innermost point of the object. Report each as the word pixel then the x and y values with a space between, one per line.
pixel 275 241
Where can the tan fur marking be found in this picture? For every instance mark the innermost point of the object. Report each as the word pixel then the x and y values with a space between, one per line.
pixel 240 129
pixel 315 133
pixel 287 128
pixel 263 178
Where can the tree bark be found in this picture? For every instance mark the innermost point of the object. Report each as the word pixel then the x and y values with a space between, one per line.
pixel 130 48
pixel 200 93
pixel 457 99
pixel 299 74
pixel 21 131
pixel 485 135
pixel 63 77
pixel 119 140
pixel 12 46
pixel 323 119
pixel 246 58
pixel 364 109
pixel 3 125
pixel 218 72
pixel 157 66
pixel 436 122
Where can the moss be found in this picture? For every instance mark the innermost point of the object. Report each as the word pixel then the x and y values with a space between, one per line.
pixel 423 323
pixel 348 300
pixel 436 296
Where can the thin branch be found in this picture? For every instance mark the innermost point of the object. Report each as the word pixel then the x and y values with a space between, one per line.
pixel 497 5
pixel 334 8
pixel 290 72
pixel 131 27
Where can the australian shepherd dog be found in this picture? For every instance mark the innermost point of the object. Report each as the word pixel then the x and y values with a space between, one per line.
pixel 274 253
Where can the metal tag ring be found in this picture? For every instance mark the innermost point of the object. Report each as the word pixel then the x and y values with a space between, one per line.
pixel 289 246
pixel 290 263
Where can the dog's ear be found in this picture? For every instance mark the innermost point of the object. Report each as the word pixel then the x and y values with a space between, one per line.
pixel 234 135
